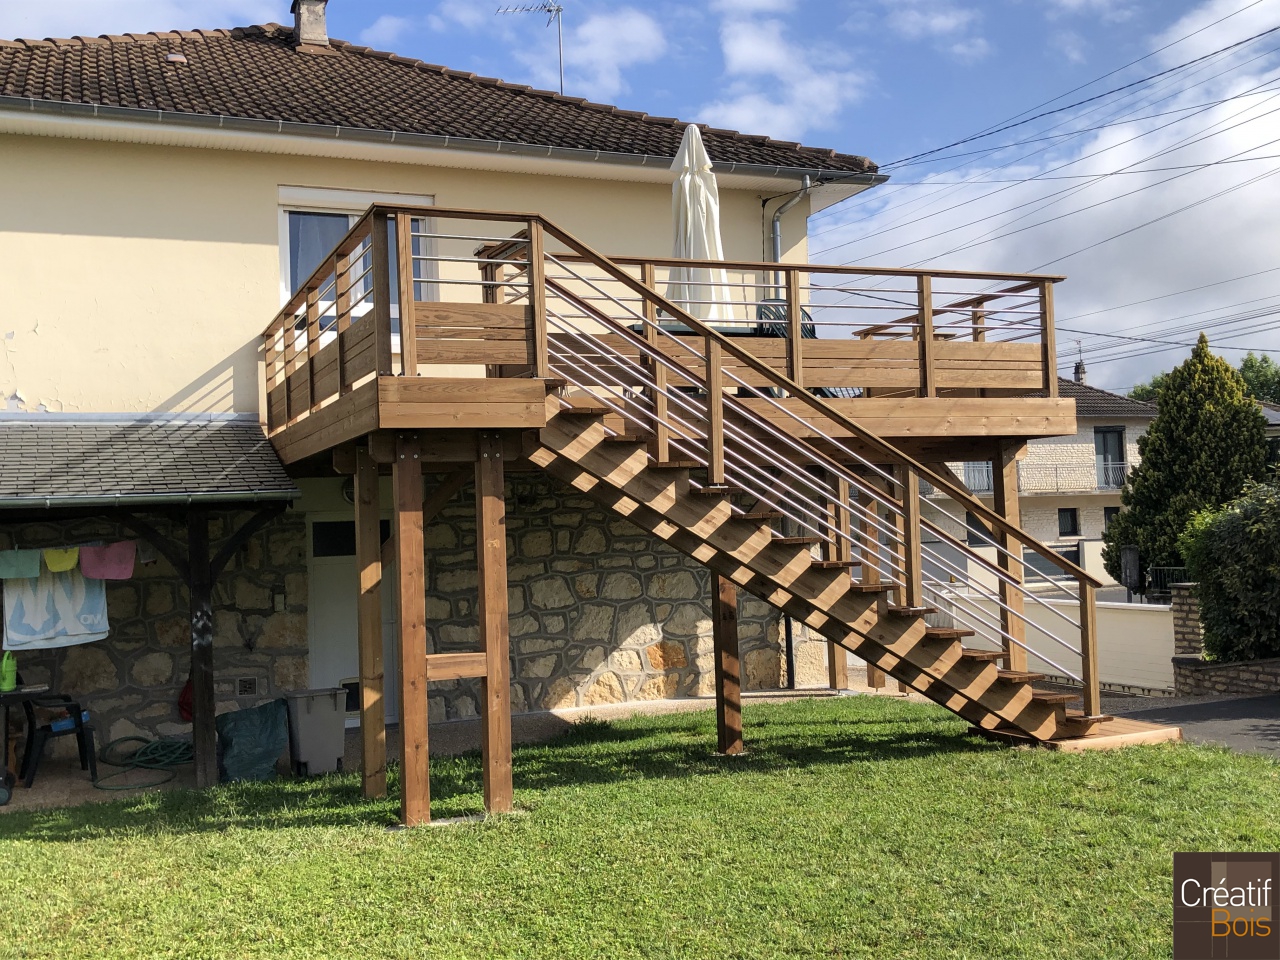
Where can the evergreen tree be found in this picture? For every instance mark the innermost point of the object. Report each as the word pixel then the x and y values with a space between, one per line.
pixel 1147 392
pixel 1206 442
pixel 1261 377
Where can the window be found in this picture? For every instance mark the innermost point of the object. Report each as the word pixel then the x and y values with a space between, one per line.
pixel 1038 566
pixel 976 535
pixel 1108 448
pixel 1068 522
pixel 337 538
pixel 1109 514
pixel 311 236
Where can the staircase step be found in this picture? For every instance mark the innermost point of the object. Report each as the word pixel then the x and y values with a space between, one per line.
pixel 797 541
pixel 1020 676
pixel 870 587
pixel 1044 696
pixel 970 653
pixel 554 383
pixel 947 633
pixel 836 565
pixel 1079 716
pixel 911 611
pixel 674 465
pixel 720 490
pixel 626 438
pixel 761 515
pixel 584 410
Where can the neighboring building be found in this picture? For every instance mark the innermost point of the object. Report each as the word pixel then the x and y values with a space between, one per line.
pixel 1069 487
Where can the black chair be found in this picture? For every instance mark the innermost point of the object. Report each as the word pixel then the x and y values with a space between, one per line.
pixel 39 735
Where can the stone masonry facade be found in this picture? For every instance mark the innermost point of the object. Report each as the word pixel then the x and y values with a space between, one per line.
pixel 130 681
pixel 1196 677
pixel 601 612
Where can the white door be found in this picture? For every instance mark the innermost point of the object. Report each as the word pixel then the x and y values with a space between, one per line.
pixel 331 610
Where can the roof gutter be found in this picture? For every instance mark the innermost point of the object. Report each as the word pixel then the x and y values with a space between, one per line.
pixel 161 499
pixel 365 135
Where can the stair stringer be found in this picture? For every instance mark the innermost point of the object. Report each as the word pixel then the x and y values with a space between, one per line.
pixel 704 528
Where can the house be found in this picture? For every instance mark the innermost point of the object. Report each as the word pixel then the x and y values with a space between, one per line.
pixel 551 492
pixel 1069 486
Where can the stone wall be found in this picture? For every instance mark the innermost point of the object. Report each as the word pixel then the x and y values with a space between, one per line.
pixel 131 680
pixel 1196 677
pixel 601 612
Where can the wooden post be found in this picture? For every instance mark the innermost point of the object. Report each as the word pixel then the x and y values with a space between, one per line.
pixel 724 633
pixel 715 412
pixel 381 274
pixel 909 485
pixel 869 554
pixel 407 296
pixel 200 592
pixel 406 482
pixel 1004 486
pixel 373 728
pixel 661 450
pixel 1089 649
pixel 795 329
pixel 342 311
pixel 491 535
pixel 538 298
pixel 928 378
pixel 313 344
pixel 1048 338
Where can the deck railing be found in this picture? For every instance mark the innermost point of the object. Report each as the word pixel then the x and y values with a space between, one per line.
pixel 513 295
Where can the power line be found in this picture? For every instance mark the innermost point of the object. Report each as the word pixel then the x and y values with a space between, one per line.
pixel 1080 103
pixel 1177 293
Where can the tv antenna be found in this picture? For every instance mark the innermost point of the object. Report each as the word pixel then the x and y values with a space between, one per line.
pixel 554 14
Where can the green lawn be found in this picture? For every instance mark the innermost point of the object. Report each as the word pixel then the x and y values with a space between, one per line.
pixel 856 827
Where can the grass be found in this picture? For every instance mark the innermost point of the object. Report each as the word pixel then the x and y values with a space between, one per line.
pixel 856 827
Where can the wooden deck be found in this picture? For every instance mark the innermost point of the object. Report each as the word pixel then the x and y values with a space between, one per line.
pixel 1115 733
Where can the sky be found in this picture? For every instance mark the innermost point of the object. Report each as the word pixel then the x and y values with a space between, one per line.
pixel 1158 202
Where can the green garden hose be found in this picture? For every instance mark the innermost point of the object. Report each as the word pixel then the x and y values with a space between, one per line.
pixel 164 756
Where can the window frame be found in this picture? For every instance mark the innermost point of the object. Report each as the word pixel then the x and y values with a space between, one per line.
pixel 1074 514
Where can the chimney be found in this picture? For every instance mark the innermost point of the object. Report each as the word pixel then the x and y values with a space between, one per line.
pixel 1080 371
pixel 309 28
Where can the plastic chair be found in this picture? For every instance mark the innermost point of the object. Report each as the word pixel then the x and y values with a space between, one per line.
pixel 39 735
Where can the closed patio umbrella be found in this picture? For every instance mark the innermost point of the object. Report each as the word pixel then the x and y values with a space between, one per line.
pixel 695 213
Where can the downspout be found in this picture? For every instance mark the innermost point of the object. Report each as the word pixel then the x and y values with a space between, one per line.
pixel 788 628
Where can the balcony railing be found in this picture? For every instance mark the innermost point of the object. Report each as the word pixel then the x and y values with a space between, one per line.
pixel 1036 478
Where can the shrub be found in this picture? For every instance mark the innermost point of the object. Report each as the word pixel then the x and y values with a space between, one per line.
pixel 1233 552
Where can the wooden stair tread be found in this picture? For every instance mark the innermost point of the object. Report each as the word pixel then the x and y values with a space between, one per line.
pixel 1020 676
pixel 722 490
pixel 760 515
pixel 971 653
pixel 674 465
pixel 870 587
pixel 947 633
pixel 554 383
pixel 584 410
pixel 797 541
pixel 834 564
pixel 1078 716
pixel 1044 696
pixel 911 611
pixel 625 438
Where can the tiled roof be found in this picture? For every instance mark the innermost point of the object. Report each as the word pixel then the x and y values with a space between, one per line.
pixel 256 73
pixel 1272 412
pixel 58 461
pixel 1092 402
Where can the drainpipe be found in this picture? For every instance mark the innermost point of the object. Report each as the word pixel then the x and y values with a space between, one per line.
pixel 806 186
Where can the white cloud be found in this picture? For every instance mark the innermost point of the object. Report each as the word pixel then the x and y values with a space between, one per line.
pixel 460 13
pixel 66 18
pixel 747 7
pixel 1070 45
pixel 384 32
pixel 777 87
pixel 952 28
pixel 973 226
pixel 596 52
pixel 1112 10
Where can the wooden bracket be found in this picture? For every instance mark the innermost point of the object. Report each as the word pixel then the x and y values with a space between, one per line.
pixel 455 666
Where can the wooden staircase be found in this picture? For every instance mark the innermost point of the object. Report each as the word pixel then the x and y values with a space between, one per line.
pixel 665 499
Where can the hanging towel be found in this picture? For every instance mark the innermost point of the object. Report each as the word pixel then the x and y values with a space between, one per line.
pixel 19 564
pixel 54 610
pixel 60 559
pixel 109 561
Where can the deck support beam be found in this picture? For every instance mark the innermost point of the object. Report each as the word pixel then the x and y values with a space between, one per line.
pixel 406 483
pixel 1004 485
pixel 495 637
pixel 373 728
pixel 724 632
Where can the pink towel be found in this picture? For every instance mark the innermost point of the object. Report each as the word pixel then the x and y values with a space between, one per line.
pixel 110 561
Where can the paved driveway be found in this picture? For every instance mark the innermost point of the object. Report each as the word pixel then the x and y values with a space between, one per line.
pixel 1248 724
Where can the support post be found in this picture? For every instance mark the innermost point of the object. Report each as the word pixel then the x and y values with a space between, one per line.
pixel 928 375
pixel 538 298
pixel 495 638
pixel 1089 649
pixel 381 280
pixel 795 328
pixel 1048 339
pixel 660 446
pixel 406 482
pixel 406 295
pixel 200 591
pixel 1004 486
pixel 913 572
pixel 373 728
pixel 715 412
pixel 869 556
pixel 724 632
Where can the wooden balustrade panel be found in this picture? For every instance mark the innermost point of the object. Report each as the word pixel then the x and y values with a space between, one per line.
pixel 276 409
pixel 359 359
pixel 475 333
pixel 959 363
pixel 324 368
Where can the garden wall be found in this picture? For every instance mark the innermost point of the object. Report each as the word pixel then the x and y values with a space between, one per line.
pixel 1197 677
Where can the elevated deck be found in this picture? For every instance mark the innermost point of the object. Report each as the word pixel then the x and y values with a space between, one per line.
pixel 941 363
